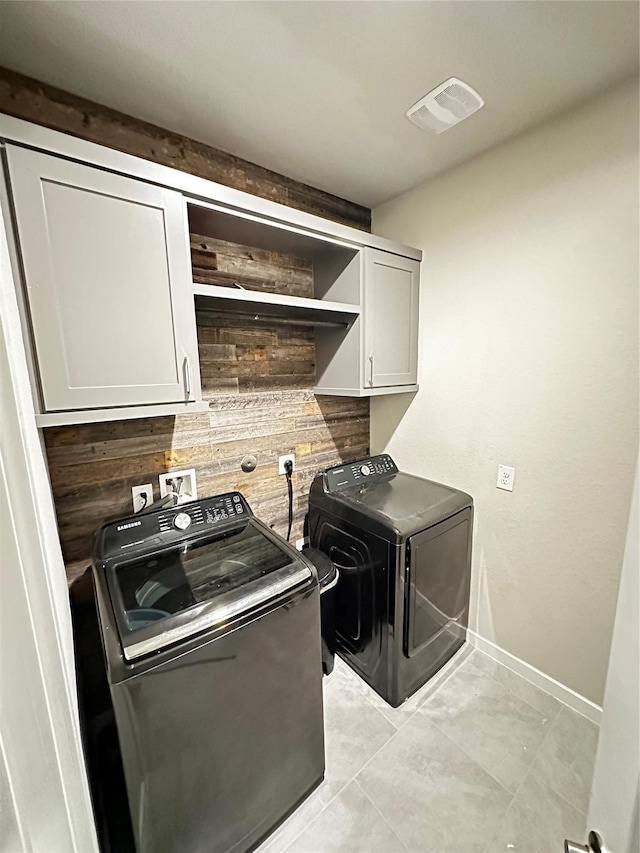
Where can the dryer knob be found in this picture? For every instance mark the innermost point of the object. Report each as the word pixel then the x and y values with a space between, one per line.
pixel 365 470
pixel 182 521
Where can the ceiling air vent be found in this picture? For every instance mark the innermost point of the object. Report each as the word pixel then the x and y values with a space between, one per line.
pixel 444 106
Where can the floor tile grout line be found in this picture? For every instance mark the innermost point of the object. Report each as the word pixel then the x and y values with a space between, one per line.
pixel 371 704
pixel 474 760
pixel 453 671
pixel 382 746
pixel 419 709
pixel 353 778
pixel 550 718
pixel 396 730
pixel 568 802
pixel 470 757
pixel 530 769
pixel 306 826
pixel 392 830
pixel 553 790
pixel 467 660
pixel 366 764
pixel 340 790
pixel 548 783
pixel 526 680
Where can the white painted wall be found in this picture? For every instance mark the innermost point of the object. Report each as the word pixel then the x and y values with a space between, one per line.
pixel 44 796
pixel 529 357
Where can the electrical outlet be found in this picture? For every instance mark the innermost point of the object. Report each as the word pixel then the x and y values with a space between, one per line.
pixel 506 476
pixel 138 492
pixel 302 542
pixel 186 489
pixel 283 459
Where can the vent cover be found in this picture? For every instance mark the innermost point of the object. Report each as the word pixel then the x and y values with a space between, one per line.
pixel 444 106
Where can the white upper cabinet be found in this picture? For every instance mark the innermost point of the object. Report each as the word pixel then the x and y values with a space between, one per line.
pixel 364 305
pixel 108 285
pixel 101 242
pixel 390 308
pixel 378 353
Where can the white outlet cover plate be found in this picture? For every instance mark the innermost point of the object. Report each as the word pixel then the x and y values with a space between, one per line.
pixel 137 492
pixel 506 476
pixel 283 459
pixel 188 489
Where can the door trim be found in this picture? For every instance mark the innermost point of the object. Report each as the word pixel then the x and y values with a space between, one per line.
pixel 39 578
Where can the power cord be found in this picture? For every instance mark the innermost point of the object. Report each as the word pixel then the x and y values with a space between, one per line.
pixel 288 469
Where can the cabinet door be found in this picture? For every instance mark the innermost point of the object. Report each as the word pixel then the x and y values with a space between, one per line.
pixel 391 319
pixel 108 278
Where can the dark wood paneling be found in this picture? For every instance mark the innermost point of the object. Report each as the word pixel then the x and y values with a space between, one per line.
pixel 259 383
pixel 31 100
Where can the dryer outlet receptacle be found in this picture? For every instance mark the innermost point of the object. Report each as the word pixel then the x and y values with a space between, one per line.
pixel 282 459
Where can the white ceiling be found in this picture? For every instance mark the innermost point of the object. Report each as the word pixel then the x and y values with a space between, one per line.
pixel 318 90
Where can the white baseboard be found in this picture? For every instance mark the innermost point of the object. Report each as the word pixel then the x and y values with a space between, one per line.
pixel 559 691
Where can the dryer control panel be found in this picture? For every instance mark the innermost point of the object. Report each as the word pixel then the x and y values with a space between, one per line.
pixel 356 473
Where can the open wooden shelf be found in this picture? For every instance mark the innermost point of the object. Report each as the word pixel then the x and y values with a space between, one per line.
pixel 236 301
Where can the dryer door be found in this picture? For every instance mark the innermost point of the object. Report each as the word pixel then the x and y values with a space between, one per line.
pixel 437 579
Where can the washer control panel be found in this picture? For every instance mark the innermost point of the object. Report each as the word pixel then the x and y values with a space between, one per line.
pixel 357 473
pixel 203 513
pixel 148 530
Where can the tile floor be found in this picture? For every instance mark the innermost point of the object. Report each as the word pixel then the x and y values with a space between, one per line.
pixel 479 760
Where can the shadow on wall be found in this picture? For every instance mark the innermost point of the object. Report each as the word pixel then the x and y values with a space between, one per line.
pixel 389 412
pixel 92 468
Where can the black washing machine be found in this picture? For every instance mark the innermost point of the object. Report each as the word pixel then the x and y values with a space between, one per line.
pixel 402 546
pixel 200 682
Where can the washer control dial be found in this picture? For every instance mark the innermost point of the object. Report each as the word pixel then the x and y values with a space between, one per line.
pixel 365 470
pixel 182 521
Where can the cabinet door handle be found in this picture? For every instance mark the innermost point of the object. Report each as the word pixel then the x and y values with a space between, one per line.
pixel 371 369
pixel 187 376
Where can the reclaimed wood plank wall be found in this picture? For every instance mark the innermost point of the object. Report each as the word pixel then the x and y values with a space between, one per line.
pixel 34 101
pixel 258 380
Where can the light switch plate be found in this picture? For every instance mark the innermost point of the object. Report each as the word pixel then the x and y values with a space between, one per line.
pixel 506 476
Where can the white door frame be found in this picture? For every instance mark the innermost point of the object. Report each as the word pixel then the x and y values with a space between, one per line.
pixel 613 810
pixel 43 780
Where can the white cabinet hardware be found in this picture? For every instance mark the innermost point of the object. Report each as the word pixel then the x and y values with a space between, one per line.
pixel 187 377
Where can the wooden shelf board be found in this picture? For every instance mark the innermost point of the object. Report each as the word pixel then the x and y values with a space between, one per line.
pixel 227 299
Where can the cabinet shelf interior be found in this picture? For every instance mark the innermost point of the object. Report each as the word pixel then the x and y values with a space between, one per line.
pixel 336 267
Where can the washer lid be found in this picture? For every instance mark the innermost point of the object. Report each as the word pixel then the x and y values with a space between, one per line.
pixel 164 597
pixel 404 503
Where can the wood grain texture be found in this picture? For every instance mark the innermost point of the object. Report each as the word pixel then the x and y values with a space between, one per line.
pixel 258 380
pixel 26 98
